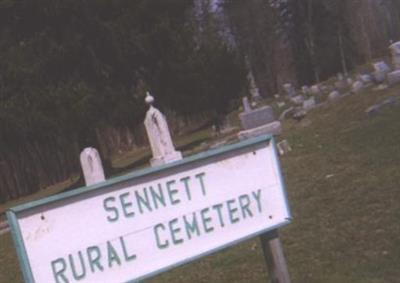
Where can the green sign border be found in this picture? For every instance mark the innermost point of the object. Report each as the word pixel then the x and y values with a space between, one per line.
pixel 12 213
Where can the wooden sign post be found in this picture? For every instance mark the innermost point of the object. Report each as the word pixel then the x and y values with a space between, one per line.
pixel 274 257
pixel 136 226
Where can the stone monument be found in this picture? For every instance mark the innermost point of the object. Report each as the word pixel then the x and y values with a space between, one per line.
pixel 381 70
pixel 246 105
pixel 394 77
pixel 159 136
pixel 298 99
pixel 91 166
pixel 258 121
pixel 256 117
pixel 357 86
pixel 289 89
pixel 315 90
pixel 254 91
pixel 395 50
pixel 334 95
pixel 305 90
pixel 309 104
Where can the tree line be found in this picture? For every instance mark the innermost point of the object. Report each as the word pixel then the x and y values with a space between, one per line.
pixel 74 73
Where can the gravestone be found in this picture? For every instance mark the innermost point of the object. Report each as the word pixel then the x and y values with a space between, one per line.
pixel 246 104
pixel 259 121
pixel 257 117
pixel 334 95
pixel 395 50
pixel 357 86
pixel 393 77
pixel 349 81
pixel 254 91
pixel 379 77
pixel 305 90
pixel 299 113
pixel 159 136
pixel 315 90
pixel 289 89
pixel 298 99
pixel 91 166
pixel 324 88
pixel 340 84
pixel 381 70
pixel 280 104
pixel 309 104
pixel 365 78
pixel 381 66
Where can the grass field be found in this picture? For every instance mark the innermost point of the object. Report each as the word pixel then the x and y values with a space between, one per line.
pixel 343 183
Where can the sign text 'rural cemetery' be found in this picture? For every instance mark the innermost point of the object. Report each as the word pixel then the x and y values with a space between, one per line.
pixel 143 223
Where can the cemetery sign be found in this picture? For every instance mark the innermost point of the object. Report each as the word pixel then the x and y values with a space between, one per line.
pixel 138 225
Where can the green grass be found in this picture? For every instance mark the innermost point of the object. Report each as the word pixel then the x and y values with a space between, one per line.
pixel 343 183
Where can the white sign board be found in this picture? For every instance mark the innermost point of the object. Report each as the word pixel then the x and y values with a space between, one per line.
pixel 141 224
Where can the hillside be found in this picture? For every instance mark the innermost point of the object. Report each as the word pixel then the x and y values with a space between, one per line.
pixel 342 182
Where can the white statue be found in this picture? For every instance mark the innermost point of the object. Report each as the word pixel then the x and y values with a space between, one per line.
pixel 159 136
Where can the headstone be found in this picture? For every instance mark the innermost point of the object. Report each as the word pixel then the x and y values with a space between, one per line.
pixel 334 95
pixel 381 66
pixel 305 90
pixel 299 114
pixel 289 89
pixel 393 77
pixel 309 104
pixel 357 86
pixel 379 77
pixel 159 136
pixel 257 117
pixel 395 50
pixel 349 81
pixel 365 78
pixel 381 70
pixel 315 90
pixel 91 166
pixel 324 88
pixel 298 99
pixel 246 104
pixel 254 91
pixel 341 84
pixel 280 104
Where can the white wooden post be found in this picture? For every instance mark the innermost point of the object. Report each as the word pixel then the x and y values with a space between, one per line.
pixel 159 136
pixel 91 166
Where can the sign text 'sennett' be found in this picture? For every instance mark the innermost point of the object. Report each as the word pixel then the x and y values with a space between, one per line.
pixel 139 226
